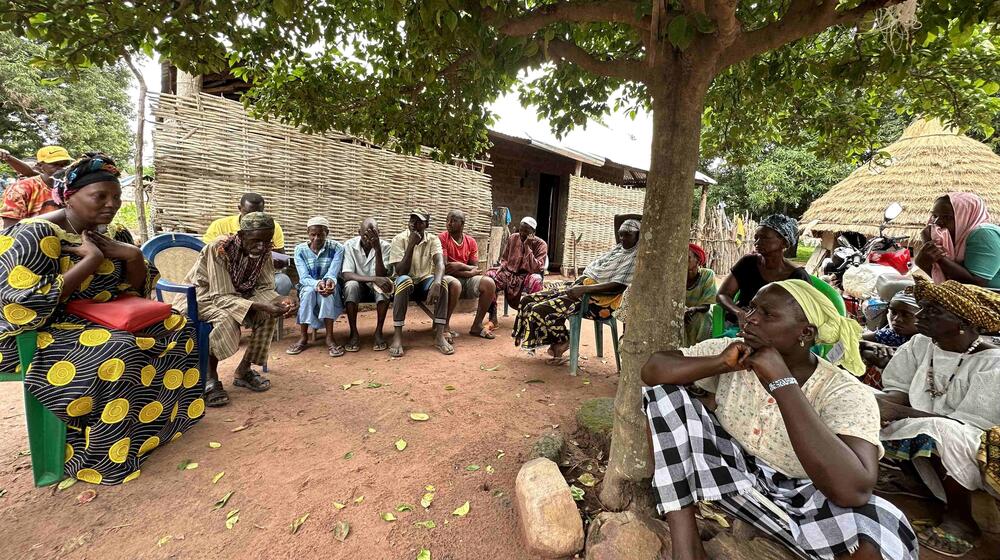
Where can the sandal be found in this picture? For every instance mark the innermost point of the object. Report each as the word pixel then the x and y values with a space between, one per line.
pixel 560 361
pixel 296 348
pixel 380 346
pixel 216 395
pixel 335 351
pixel 253 380
pixel 943 542
pixel 484 333
pixel 352 347
pixel 446 349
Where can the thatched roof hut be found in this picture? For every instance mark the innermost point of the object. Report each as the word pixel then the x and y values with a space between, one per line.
pixel 926 162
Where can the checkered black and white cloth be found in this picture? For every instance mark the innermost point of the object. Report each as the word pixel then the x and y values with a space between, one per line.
pixel 696 460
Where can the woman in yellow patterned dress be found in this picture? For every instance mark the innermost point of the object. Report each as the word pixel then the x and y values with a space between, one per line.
pixel 121 394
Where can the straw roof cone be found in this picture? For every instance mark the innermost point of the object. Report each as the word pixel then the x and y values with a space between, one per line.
pixel 928 160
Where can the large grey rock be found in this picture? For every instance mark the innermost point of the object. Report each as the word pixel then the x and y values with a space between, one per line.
pixel 549 446
pixel 614 536
pixel 550 521
pixel 595 419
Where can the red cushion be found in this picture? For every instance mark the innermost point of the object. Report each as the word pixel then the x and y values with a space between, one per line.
pixel 127 313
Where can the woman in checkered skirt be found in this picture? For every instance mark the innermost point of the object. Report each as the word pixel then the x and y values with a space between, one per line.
pixel 788 442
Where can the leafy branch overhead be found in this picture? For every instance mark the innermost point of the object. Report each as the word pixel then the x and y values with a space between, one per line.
pixel 422 72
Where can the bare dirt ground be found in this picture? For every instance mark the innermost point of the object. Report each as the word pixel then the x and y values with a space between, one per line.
pixel 290 460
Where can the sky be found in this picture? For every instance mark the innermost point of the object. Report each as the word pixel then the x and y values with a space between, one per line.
pixel 618 137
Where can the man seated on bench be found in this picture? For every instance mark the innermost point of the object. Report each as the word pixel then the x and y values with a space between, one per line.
pixel 418 262
pixel 366 279
pixel 318 262
pixel 521 267
pixel 461 253
pixel 253 202
pixel 234 282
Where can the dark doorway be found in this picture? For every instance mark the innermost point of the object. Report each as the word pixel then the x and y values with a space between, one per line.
pixel 548 210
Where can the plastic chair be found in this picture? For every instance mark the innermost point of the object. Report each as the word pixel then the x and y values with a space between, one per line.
pixel 576 327
pixel 46 432
pixel 719 315
pixel 174 254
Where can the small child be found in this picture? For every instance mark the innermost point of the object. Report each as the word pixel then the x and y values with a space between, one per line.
pixel 877 347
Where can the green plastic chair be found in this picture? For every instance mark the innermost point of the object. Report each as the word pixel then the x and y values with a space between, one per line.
pixel 575 328
pixel 46 432
pixel 719 314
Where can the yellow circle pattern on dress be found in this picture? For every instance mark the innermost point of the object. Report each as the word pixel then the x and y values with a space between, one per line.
pixel 191 377
pixel 144 342
pixel 44 339
pixel 95 337
pixel 115 411
pixel 65 264
pixel 18 314
pixel 111 369
pixel 189 345
pixel 173 379
pixel 119 450
pixel 89 475
pixel 196 408
pixel 44 290
pixel 150 412
pixel 106 267
pixel 61 373
pixel 102 296
pixel 22 278
pixel 149 445
pixel 132 476
pixel 176 436
pixel 147 374
pixel 173 412
pixel 170 346
pixel 6 242
pixel 86 283
pixel 86 437
pixel 80 406
pixel 69 453
pixel 50 246
pixel 171 322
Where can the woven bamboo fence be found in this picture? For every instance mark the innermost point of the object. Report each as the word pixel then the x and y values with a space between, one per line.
pixel 590 218
pixel 208 153
pixel 724 240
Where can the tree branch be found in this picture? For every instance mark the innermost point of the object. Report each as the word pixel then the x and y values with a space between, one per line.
pixel 802 19
pixel 620 69
pixel 526 24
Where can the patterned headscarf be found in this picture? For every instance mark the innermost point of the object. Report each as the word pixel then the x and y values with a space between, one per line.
pixel 244 270
pixel 90 169
pixel 787 228
pixel 698 252
pixel 629 225
pixel 978 306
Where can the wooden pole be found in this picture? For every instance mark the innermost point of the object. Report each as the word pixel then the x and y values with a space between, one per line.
pixel 139 186
pixel 702 207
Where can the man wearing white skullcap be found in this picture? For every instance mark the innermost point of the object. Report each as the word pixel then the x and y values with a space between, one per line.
pixel 318 262
pixel 521 266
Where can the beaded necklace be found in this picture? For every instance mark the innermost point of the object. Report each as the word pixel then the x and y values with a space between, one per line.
pixel 932 384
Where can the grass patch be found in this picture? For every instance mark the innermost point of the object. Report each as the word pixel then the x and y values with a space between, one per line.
pixel 803 253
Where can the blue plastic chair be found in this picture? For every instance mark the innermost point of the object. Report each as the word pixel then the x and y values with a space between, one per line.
pixel 576 327
pixel 150 250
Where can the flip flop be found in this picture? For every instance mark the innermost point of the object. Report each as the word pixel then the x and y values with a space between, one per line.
pixel 380 346
pixel 484 333
pixel 216 396
pixel 296 348
pixel 254 381
pixel 335 351
pixel 352 347
pixel 447 350
pixel 560 361
pixel 943 542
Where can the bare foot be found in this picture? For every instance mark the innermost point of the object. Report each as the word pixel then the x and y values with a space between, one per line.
pixel 396 349
pixel 558 349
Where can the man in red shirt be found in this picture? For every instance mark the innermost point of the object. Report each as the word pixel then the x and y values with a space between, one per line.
pixel 461 266
pixel 32 195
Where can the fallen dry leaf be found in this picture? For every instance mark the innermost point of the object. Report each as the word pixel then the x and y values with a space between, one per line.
pixel 371 430
pixel 86 496
pixel 462 510
pixel 388 517
pixel 587 480
pixel 214 444
pixel 223 500
pixel 429 524
pixel 359 499
pixel 449 387
pixel 218 476
pixel 349 455
pixel 400 444
pixel 484 368
pixel 232 518
pixel 490 469
pixel 419 416
pixel 297 524
pixel 239 428
pixel 424 554
pixel 164 540
pixel 430 488
pixel 190 466
pixel 66 483
pixel 427 499
pixel 500 454
pixel 472 468
pixel 404 507
pixel 338 505
pixel 340 530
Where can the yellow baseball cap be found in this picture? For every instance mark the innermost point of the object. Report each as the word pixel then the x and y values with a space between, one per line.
pixel 53 154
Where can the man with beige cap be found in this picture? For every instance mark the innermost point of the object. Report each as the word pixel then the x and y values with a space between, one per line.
pixel 32 195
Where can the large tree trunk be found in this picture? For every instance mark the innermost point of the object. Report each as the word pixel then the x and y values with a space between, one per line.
pixel 656 307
